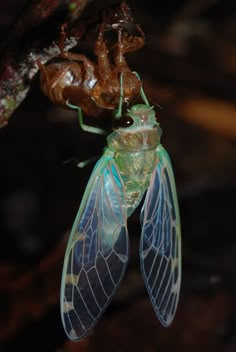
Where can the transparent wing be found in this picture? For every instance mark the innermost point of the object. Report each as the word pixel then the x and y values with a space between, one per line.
pixel 160 245
pixel 97 252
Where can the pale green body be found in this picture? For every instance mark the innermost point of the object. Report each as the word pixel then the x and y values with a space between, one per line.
pixel 97 253
pixel 135 154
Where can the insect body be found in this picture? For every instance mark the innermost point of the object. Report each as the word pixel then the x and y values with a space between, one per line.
pixel 94 85
pixel 97 253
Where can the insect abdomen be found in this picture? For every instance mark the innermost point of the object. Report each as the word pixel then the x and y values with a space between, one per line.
pixel 135 169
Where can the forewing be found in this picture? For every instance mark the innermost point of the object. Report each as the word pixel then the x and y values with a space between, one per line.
pixel 160 245
pixel 97 252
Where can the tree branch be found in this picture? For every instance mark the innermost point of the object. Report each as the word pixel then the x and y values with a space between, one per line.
pixel 33 36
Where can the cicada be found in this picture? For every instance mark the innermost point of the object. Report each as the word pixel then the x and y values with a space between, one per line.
pixel 94 85
pixel 133 164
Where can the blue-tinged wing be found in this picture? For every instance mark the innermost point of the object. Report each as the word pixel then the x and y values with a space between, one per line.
pixel 160 245
pixel 97 252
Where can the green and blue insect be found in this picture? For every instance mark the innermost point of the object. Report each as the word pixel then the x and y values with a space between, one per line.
pixel 133 163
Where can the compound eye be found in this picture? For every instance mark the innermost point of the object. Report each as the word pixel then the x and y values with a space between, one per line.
pixel 123 122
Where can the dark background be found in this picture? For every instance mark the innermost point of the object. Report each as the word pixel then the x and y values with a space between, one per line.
pixel 188 67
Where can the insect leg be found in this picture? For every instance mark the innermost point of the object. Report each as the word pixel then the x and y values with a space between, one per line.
pixel 83 126
pixel 84 163
pixel 143 95
pixel 118 112
pixel 89 67
pixel 81 164
pixel 101 50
